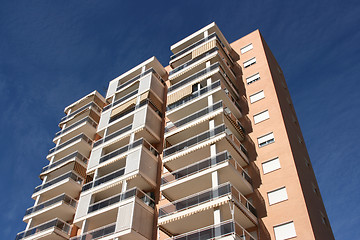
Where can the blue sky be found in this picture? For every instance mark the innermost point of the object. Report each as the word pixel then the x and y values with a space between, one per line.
pixel 55 52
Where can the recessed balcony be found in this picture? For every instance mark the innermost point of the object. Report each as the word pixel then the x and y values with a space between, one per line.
pixel 62 206
pixel 121 100
pixel 128 216
pixel 80 143
pixel 138 167
pixel 86 125
pixel 55 229
pixel 184 214
pixel 198 100
pixel 222 230
pixel 69 183
pixel 198 177
pixel 73 157
pixel 90 105
pixel 197 147
pixel 197 122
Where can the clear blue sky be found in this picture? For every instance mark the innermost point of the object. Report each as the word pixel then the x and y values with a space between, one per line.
pixel 55 52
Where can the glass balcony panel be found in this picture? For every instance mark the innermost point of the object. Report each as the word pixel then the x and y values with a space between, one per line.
pixel 70 175
pixel 57 223
pixel 120 100
pixel 193 77
pixel 113 135
pixel 91 104
pixel 193 96
pixel 65 159
pixel 74 139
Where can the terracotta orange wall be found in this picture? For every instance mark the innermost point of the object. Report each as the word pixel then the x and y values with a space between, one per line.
pixel 294 173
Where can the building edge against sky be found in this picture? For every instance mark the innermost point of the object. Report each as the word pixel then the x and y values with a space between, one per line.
pixel 209 146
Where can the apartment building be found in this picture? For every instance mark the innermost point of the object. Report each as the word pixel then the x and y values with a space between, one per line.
pixel 56 199
pixel 208 147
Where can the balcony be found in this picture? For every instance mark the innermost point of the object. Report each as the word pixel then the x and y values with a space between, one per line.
pixel 80 143
pixel 195 148
pixel 121 100
pixel 138 77
pixel 135 192
pixel 76 156
pixel 138 167
pixel 197 177
pixel 198 116
pixel 85 125
pixel 184 213
pixel 87 106
pixel 200 74
pixel 69 183
pixel 123 130
pixel 222 230
pixel 178 109
pixel 55 229
pixel 127 216
pixel 132 109
pixel 97 233
pixel 61 206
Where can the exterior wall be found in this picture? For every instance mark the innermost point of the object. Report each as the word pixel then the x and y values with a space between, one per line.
pixel 294 173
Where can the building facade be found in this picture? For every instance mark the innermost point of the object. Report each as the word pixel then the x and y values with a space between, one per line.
pixel 208 147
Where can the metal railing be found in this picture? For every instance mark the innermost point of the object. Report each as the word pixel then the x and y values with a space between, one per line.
pixel 126 148
pixel 91 104
pixel 194 95
pixel 62 198
pixel 122 99
pixel 194 140
pixel 121 197
pixel 193 117
pixel 70 175
pixel 74 139
pixel 193 77
pixel 97 233
pixel 65 159
pixel 103 179
pixel 129 110
pixel 194 45
pixel 55 223
pixel 206 196
pixel 237 143
pixel 113 135
pixel 134 79
pixel 86 119
pixel 216 231
pixel 203 165
pixel 188 63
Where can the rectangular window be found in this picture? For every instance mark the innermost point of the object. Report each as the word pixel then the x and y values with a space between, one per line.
pixel 261 116
pixel 266 139
pixel 249 62
pixel 257 96
pixel 271 165
pixel 285 231
pixel 253 78
pixel 246 48
pixel 277 195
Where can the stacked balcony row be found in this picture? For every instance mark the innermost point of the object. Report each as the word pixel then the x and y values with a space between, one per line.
pixel 56 198
pixel 206 182
pixel 117 199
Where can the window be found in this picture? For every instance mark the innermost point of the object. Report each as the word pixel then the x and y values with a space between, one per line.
pixel 246 48
pixel 277 195
pixel 261 116
pixel 257 96
pixel 253 78
pixel 285 231
pixel 249 62
pixel 271 165
pixel 266 139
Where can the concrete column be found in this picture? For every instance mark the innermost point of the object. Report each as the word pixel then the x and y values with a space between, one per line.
pixel 206 33
pixel 28 224
pixel 84 227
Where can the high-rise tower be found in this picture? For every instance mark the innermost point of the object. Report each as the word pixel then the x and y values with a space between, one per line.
pixel 208 147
